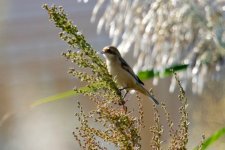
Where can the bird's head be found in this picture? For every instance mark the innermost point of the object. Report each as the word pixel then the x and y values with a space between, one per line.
pixel 110 52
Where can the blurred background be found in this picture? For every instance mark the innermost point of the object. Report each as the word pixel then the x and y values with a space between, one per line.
pixel 31 68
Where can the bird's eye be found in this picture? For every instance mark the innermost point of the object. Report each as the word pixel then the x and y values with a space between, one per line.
pixel 110 51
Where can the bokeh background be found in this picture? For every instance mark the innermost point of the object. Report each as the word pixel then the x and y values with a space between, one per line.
pixel 32 68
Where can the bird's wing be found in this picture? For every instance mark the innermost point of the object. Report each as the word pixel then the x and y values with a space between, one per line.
pixel 126 67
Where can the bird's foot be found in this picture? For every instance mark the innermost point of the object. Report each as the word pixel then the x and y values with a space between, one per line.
pixel 123 97
pixel 124 88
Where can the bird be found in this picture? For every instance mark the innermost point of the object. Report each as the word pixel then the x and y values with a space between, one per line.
pixel 122 72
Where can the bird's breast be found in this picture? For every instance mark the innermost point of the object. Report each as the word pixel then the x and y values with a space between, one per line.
pixel 122 77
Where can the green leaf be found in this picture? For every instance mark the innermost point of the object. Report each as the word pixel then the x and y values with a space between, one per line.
pixel 148 74
pixel 213 138
pixel 87 89
pixel 169 71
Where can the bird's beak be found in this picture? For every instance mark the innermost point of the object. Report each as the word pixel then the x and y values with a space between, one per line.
pixel 104 50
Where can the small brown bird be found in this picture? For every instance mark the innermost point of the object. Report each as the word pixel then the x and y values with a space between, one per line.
pixel 123 73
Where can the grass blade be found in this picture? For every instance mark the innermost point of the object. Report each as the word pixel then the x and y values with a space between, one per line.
pixel 54 98
pixel 213 138
pixel 148 74
pixel 87 89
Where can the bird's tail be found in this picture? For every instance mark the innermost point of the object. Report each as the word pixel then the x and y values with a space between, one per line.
pixel 144 91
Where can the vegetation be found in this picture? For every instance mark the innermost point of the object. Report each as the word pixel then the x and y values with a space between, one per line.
pixel 112 125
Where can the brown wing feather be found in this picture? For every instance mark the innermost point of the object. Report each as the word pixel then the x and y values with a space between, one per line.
pixel 126 67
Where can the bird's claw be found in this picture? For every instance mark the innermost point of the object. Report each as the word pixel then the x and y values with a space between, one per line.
pixel 124 88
